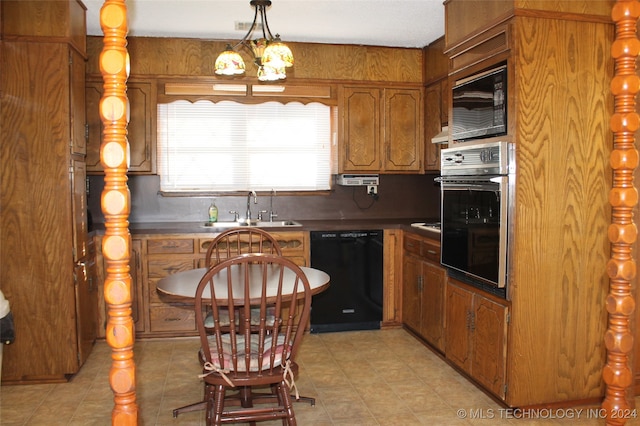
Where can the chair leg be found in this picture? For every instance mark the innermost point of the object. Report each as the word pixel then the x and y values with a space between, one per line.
pixel 217 405
pixel 210 401
pixel 310 400
pixel 196 406
pixel 246 397
pixel 283 391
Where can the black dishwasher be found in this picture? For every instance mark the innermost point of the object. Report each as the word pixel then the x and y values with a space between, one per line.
pixel 353 260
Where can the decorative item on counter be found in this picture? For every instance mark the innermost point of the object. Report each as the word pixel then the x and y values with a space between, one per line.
pixel 213 212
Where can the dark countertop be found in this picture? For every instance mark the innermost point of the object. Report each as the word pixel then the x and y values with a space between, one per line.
pixel 307 225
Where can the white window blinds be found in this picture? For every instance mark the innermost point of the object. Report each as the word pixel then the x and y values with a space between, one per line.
pixel 229 146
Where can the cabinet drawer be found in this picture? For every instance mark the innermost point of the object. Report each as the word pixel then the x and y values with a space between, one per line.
pixel 160 268
pixel 412 245
pixel 169 318
pixel 431 251
pixel 427 249
pixel 170 246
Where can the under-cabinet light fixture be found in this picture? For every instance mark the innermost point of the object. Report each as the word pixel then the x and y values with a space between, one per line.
pixel 270 54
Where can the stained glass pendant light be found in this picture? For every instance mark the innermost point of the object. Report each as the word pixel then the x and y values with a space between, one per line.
pixel 270 54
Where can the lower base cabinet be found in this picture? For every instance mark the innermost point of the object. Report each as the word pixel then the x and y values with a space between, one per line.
pixel 423 289
pixel 476 335
pixel 155 256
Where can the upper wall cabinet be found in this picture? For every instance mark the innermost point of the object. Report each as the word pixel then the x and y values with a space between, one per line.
pixel 62 21
pixel 141 129
pixel 381 130
pixel 436 99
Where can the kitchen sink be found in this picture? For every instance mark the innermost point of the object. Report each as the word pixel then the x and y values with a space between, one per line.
pixel 253 223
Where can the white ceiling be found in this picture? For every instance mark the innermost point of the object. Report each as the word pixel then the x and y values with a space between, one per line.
pixel 397 23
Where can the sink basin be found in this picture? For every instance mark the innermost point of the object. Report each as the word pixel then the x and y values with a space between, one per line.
pixel 275 223
pixel 253 223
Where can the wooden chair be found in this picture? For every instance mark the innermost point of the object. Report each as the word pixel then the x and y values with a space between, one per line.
pixel 234 242
pixel 245 358
pixel 228 244
pixel 237 241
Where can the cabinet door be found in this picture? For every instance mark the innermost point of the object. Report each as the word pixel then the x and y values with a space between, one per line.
pixel 458 328
pixel 138 301
pixel 432 126
pixel 403 130
pixel 411 292
pixel 360 143
pixel 489 344
pixel 93 93
pixel 79 209
pixel 140 130
pixel 78 116
pixel 433 299
pixel 445 101
pixel 86 307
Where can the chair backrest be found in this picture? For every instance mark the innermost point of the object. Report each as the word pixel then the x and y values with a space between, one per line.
pixel 237 286
pixel 236 241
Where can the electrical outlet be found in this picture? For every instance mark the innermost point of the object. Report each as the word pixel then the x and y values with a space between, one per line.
pixel 372 189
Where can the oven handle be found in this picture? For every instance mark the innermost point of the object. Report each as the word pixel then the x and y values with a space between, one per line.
pixel 473 183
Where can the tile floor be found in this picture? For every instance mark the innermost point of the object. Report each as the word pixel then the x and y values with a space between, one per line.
pixel 382 377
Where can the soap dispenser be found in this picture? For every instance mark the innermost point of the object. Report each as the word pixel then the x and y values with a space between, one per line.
pixel 213 212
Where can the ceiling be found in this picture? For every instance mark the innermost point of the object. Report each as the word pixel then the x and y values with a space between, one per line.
pixel 395 23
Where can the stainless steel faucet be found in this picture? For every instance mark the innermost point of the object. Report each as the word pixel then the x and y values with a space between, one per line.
pixel 255 201
pixel 272 214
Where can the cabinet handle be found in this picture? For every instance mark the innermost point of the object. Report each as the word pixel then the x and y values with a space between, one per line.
pixel 431 252
pixel 171 319
pixel 420 281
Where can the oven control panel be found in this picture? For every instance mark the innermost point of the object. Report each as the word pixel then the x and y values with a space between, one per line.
pixel 493 158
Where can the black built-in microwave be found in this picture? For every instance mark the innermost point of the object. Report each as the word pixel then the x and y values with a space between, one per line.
pixel 480 105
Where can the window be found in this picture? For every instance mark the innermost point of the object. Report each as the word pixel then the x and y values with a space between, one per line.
pixel 229 146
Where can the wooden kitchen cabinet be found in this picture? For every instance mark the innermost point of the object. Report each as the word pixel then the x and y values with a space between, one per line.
pixel 162 255
pixel 141 129
pixel 433 95
pixel 47 267
pixel 546 363
pixel 476 335
pixel 436 100
pixel 392 287
pixel 381 130
pixel 138 302
pixel 423 289
pixel 86 288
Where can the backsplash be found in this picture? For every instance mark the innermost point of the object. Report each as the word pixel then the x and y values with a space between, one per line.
pixel 399 196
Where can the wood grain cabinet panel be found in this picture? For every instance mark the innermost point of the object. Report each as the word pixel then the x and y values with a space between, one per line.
pixel 381 130
pixel 476 335
pixel 163 255
pixel 436 101
pixel 165 318
pixel 423 289
pixel 139 302
pixel 403 127
pixel 140 130
pixel 361 142
pixel 46 271
pixel 86 286
pixel 548 335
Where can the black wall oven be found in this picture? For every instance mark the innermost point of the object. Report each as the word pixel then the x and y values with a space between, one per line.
pixel 476 188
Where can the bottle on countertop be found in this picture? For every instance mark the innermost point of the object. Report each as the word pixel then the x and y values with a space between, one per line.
pixel 213 212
